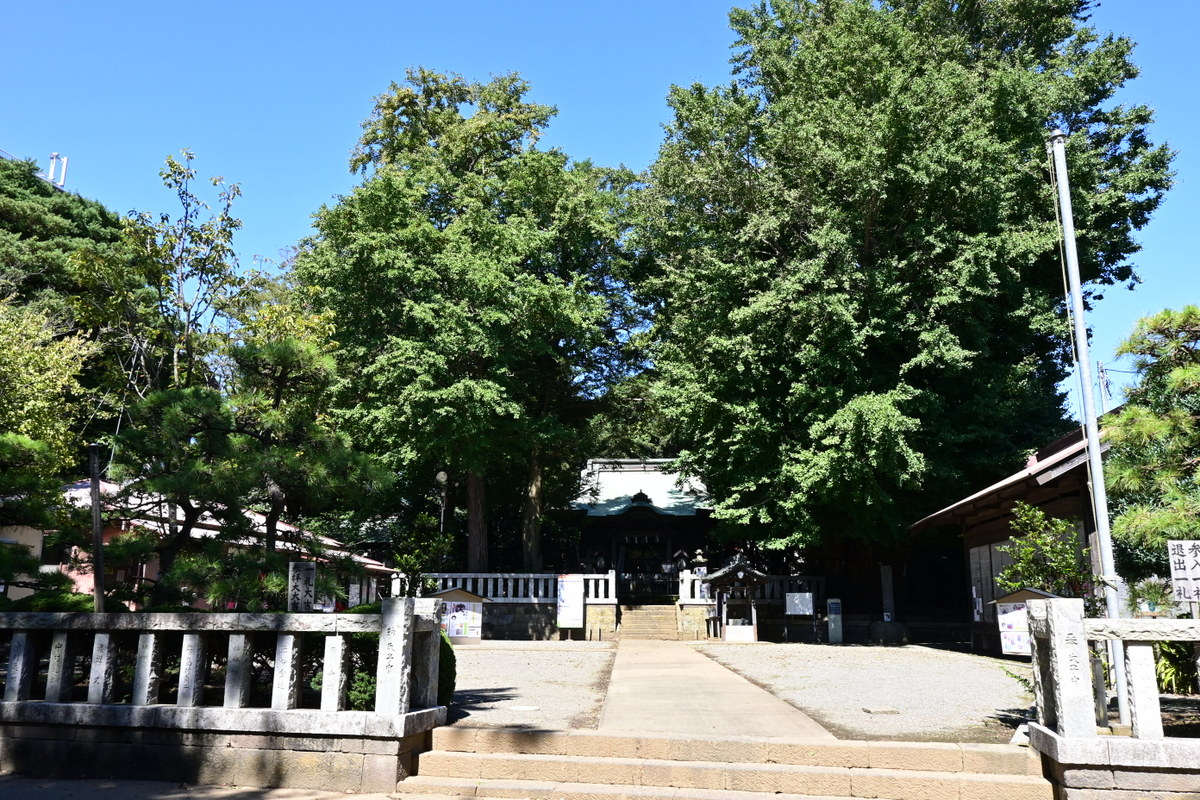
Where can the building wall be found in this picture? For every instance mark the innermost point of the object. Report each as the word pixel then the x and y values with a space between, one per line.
pixel 538 622
pixel 27 537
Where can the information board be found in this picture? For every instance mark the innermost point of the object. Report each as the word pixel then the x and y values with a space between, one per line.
pixel 570 601
pixel 798 603
pixel 1013 619
pixel 1184 558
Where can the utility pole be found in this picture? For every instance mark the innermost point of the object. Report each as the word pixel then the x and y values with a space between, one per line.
pixel 1092 429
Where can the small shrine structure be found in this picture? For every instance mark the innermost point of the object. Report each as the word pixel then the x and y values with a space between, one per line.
pixel 734 586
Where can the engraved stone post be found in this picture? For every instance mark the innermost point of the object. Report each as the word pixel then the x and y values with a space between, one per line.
pixel 426 645
pixel 237 671
pixel 191 671
pixel 1070 675
pixel 104 667
pixel 302 586
pixel 148 671
pixel 1039 644
pixel 61 672
pixel 1144 710
pixel 285 690
pixel 334 677
pixel 21 666
pixel 395 656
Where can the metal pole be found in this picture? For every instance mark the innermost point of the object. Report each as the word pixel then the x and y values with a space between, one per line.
pixel 1096 467
pixel 97 531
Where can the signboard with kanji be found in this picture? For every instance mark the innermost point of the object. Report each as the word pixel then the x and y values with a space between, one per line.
pixel 1184 558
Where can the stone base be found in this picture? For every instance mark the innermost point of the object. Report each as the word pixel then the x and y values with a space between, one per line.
pixel 1118 768
pixel 326 763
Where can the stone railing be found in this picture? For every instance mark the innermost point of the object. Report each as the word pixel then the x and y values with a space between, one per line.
pixel 44 697
pixel 1079 761
pixel 515 587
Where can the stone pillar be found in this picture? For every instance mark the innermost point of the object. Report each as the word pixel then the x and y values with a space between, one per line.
pixel 1144 709
pixel 395 656
pixel 286 686
pixel 22 664
pixel 334 676
pixel 61 672
pixel 192 662
pixel 104 667
pixel 148 671
pixel 285 690
pixel 1062 673
pixel 237 670
pixel 426 646
pixel 887 589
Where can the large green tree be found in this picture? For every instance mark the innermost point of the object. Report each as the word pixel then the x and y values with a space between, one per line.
pixel 1153 467
pixel 474 280
pixel 859 296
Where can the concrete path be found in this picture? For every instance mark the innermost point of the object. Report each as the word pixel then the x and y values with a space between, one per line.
pixel 667 687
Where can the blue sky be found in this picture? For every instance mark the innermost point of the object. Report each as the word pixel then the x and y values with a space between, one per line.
pixel 271 94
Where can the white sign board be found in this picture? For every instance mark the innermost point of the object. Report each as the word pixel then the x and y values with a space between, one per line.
pixel 1014 629
pixel 570 601
pixel 1184 558
pixel 462 620
pixel 798 603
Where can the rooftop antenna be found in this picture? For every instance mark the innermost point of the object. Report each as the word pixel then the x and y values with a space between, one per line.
pixel 55 159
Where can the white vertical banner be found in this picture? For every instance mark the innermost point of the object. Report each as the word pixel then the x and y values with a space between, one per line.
pixel 570 601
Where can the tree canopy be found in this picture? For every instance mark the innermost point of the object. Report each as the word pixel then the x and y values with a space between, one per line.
pixel 1153 466
pixel 475 286
pixel 858 302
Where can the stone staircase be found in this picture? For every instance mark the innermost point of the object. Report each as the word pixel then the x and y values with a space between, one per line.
pixel 509 763
pixel 650 622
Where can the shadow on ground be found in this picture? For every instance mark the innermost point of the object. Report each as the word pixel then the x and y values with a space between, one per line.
pixel 477 700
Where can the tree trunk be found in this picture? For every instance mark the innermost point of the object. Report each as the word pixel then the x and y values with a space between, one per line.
pixel 531 519
pixel 477 544
pixel 274 512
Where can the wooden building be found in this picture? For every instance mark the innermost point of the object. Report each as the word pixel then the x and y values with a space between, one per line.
pixel 1055 480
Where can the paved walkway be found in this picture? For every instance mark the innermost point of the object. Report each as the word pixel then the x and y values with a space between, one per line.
pixel 667 687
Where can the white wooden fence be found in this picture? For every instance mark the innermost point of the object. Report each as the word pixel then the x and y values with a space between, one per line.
pixel 513 587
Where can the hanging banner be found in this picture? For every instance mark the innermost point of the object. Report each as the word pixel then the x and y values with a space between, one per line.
pixel 570 601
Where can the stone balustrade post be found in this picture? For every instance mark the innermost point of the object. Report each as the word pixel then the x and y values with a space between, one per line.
pixel 192 663
pixel 334 674
pixel 1145 713
pixel 104 668
pixel 61 671
pixel 285 689
pixel 392 692
pixel 1062 675
pixel 237 670
pixel 147 672
pixel 22 664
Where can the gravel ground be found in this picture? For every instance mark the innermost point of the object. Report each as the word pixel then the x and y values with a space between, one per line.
pixel 912 692
pixel 551 685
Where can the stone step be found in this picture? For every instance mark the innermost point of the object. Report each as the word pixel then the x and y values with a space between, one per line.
pixel 544 776
pixel 430 788
pixel 952 757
